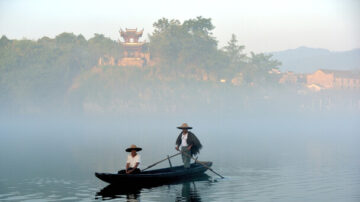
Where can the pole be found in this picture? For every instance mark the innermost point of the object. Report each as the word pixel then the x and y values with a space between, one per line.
pixel 168 157
pixel 169 161
pixel 202 164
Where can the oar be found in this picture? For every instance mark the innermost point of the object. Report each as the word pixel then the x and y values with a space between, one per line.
pixel 150 166
pixel 203 164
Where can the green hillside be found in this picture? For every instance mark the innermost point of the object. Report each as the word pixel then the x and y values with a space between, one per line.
pixel 62 73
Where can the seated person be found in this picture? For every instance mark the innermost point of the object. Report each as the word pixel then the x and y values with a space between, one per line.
pixel 133 161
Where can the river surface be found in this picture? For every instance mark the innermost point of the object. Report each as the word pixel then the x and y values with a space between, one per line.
pixel 47 161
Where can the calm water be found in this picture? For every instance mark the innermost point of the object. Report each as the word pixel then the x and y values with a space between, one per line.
pixel 47 161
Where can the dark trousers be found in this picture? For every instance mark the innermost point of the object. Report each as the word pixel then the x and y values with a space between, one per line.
pixel 136 171
pixel 186 156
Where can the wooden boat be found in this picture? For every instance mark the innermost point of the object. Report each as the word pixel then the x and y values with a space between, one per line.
pixel 114 191
pixel 163 175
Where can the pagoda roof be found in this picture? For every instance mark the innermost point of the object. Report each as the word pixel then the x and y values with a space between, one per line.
pixel 131 32
pixel 132 44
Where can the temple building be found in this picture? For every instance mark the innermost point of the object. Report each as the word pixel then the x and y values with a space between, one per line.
pixel 132 46
pixel 134 53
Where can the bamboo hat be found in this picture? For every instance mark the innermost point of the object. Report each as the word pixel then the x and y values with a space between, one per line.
pixel 133 147
pixel 184 126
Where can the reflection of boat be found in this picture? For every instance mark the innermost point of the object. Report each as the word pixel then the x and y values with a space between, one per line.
pixel 133 191
pixel 164 175
pixel 115 191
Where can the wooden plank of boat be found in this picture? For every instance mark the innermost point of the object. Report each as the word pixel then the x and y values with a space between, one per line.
pixel 113 191
pixel 159 175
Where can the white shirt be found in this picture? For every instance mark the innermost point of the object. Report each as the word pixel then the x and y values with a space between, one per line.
pixel 133 160
pixel 184 139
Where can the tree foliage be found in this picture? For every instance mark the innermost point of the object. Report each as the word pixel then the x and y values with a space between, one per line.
pixel 43 72
pixel 183 44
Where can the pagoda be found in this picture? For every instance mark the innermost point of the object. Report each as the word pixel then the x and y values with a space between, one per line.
pixel 133 54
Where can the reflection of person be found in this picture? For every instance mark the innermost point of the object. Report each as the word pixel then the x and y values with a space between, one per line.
pixel 188 193
pixel 188 144
pixel 133 161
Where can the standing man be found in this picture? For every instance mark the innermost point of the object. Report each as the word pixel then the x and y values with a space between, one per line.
pixel 187 143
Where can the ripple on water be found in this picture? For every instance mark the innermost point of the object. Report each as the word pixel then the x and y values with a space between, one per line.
pixel 277 184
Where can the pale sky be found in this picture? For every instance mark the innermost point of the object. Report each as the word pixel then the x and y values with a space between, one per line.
pixel 260 25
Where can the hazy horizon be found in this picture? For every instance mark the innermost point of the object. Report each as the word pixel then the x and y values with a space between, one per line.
pixel 272 26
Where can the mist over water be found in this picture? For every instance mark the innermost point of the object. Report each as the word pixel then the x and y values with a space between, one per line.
pixel 69 107
pixel 258 153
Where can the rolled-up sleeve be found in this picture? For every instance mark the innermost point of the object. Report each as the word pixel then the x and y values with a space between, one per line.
pixel 138 159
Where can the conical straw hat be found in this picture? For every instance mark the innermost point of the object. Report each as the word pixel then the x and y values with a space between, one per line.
pixel 133 147
pixel 184 126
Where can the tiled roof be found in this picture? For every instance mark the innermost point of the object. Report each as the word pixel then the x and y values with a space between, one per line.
pixel 342 74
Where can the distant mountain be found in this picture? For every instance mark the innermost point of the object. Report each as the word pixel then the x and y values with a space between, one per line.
pixel 307 60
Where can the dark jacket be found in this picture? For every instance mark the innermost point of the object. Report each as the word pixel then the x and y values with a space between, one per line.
pixel 191 140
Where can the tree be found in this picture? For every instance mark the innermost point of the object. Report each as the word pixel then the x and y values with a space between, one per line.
pixel 187 44
pixel 259 67
pixel 4 41
pixel 199 26
pixel 236 58
pixel 235 51
pixel 263 62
